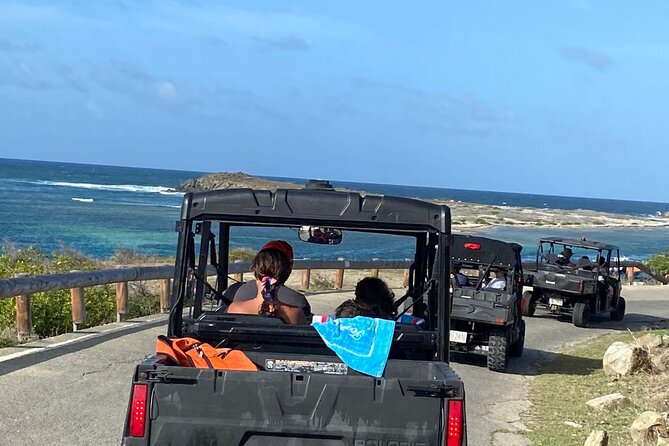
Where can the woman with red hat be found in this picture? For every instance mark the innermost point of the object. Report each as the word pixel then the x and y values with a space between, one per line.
pixel 268 294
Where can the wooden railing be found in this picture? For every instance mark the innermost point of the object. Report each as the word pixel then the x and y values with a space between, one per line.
pixel 23 286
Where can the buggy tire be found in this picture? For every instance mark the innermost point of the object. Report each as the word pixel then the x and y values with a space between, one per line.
pixel 581 315
pixel 619 313
pixel 529 304
pixel 517 347
pixel 498 349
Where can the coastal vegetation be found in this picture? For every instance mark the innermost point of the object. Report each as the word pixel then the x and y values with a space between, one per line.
pixel 659 264
pixel 51 311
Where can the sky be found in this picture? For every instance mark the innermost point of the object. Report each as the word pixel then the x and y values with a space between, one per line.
pixel 553 97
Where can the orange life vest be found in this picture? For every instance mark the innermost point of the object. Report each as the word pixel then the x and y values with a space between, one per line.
pixel 189 352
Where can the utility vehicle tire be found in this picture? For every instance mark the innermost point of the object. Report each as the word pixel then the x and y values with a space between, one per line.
pixel 498 349
pixel 529 304
pixel 581 316
pixel 517 347
pixel 619 313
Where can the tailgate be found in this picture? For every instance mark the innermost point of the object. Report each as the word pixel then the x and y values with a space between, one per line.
pixel 482 306
pixel 208 407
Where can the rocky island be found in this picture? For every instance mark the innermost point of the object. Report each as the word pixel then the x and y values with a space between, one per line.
pixel 466 216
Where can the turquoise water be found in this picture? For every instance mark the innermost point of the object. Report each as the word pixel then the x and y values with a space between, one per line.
pixel 99 209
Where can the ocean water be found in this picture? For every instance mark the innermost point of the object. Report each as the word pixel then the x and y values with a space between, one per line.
pixel 100 209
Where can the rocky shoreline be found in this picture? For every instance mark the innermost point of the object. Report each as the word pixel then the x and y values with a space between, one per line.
pixel 466 216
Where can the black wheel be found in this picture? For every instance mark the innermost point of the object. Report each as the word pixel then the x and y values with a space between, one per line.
pixel 529 304
pixel 581 316
pixel 498 349
pixel 517 347
pixel 619 313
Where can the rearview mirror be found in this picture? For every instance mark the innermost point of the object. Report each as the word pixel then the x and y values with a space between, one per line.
pixel 317 234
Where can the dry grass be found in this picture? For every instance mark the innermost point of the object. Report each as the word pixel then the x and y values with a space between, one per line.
pixel 576 376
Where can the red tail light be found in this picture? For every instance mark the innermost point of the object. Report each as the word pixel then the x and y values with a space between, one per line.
pixel 138 410
pixel 454 424
pixel 581 286
pixel 474 246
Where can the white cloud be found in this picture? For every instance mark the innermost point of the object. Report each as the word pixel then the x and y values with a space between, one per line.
pixel 166 90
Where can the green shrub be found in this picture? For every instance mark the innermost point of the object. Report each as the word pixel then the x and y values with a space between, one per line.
pixel 142 306
pixel 659 263
pixel 242 254
pixel 52 311
pixel 480 221
pixel 320 282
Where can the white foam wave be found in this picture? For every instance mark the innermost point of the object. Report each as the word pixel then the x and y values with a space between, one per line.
pixel 83 200
pixel 114 187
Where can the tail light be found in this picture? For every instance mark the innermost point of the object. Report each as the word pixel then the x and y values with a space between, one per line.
pixel 581 286
pixel 473 246
pixel 138 410
pixel 454 425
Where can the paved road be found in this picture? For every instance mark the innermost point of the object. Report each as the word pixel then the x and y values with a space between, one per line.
pixel 79 397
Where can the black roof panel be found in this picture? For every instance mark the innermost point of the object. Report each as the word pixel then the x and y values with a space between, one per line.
pixel 317 207
pixel 491 251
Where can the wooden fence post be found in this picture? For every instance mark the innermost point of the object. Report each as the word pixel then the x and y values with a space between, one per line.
pixel 24 315
pixel 374 272
pixel 339 279
pixel 405 280
pixel 165 295
pixel 239 277
pixel 121 300
pixel 78 307
pixel 306 278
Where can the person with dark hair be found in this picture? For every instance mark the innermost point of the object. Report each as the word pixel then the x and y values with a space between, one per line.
pixel 564 259
pixel 268 294
pixel 373 298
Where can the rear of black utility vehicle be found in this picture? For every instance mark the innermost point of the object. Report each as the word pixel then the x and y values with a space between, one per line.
pixel 484 320
pixel 302 392
pixel 412 404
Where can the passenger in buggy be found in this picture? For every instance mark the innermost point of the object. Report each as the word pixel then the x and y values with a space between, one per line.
pixel 267 294
pixel 564 259
pixel 373 298
pixel 499 280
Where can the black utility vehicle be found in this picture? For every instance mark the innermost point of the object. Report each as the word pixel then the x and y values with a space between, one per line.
pixel 302 394
pixel 580 277
pixel 486 316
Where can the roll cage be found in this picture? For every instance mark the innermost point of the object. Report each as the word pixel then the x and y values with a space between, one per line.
pixel 204 245
pixel 548 249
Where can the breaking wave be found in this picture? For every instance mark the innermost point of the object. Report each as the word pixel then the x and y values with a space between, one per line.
pixel 83 200
pixel 113 187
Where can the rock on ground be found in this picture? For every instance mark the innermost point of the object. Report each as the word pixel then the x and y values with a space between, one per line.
pixel 607 401
pixel 661 361
pixel 623 359
pixel 597 438
pixel 649 340
pixel 644 429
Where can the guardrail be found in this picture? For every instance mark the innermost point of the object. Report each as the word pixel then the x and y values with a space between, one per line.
pixel 22 287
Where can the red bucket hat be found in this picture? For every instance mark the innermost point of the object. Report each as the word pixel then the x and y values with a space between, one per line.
pixel 280 245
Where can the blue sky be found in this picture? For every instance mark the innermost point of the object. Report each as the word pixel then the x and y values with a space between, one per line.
pixel 554 97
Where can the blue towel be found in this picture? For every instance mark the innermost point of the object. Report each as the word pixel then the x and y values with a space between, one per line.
pixel 362 343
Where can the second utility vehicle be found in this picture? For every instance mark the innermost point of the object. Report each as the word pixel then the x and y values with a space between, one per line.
pixel 577 277
pixel 486 316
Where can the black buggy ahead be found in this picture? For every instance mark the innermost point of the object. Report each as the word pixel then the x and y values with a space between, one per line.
pixel 580 277
pixel 302 393
pixel 486 316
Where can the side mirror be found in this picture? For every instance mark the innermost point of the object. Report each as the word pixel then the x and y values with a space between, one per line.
pixel 320 235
